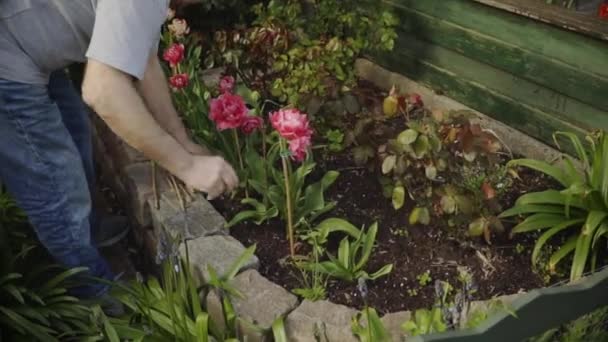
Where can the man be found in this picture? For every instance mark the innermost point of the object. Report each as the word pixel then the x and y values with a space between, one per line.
pixel 45 143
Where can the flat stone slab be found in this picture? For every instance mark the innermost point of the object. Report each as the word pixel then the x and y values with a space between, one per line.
pixel 393 322
pixel 320 321
pixel 199 219
pixel 219 252
pixel 262 302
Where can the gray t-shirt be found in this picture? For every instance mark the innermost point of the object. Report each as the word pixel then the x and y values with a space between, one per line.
pixel 38 37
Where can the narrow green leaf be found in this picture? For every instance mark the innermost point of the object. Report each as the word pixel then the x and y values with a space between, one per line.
pixel 549 234
pixel 532 208
pixel 202 327
pixel 541 166
pixel 278 330
pixel 239 263
pixel 383 271
pixel 577 144
pixel 562 252
pixel 548 197
pixel 330 225
pixel 603 230
pixel 368 245
pixel 538 221
pixel 58 279
pixel 344 253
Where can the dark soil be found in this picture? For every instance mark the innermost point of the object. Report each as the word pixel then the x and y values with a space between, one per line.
pixel 416 250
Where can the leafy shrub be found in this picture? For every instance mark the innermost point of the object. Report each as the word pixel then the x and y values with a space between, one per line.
pixel 579 210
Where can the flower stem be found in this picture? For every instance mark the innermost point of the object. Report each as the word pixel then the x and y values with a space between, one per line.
pixel 238 152
pixel 290 233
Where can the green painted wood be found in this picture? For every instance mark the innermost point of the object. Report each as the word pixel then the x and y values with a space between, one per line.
pixel 537 311
pixel 536 77
pixel 545 70
pixel 459 78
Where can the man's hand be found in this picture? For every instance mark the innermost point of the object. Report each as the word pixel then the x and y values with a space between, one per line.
pixel 212 175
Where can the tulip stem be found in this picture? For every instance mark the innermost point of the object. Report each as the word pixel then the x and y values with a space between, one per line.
pixel 238 152
pixel 290 232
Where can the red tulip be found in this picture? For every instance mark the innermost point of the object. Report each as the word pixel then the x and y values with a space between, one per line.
pixel 299 148
pixel 179 81
pixel 251 123
pixel 174 54
pixel 228 111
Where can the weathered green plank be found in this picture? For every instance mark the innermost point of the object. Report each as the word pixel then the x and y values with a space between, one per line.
pixel 537 311
pixel 520 61
pixel 482 87
pixel 518 89
pixel 587 54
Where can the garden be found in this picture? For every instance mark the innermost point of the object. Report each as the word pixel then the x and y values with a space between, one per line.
pixel 350 192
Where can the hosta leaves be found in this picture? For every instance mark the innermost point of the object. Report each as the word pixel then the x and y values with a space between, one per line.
pixel 538 221
pixel 398 197
pixel 546 168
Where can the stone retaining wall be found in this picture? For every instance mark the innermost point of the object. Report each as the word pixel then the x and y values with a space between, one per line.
pixel 130 176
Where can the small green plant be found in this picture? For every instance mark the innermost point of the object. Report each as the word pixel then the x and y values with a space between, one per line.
pixel 353 254
pixel 579 209
pixel 424 278
pixel 335 140
pixel 519 248
pixel 366 325
pixel 412 292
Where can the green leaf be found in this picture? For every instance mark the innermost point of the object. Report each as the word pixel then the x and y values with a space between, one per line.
pixel 532 208
pixel 239 263
pixel 599 233
pixel 478 227
pixel 549 234
pixel 202 327
pixel 109 331
pixel 58 279
pixel 538 221
pixel 407 137
pixel 369 239
pixel 549 197
pixel 546 168
pixel 385 270
pixel 344 253
pixel 242 216
pixel 562 252
pixel 577 144
pixel 389 164
pixel 583 244
pixel 420 215
pixel 398 197
pixel 331 225
pixel 421 146
pixel 278 330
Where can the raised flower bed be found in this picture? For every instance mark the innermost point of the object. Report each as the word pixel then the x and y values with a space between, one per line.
pixel 384 195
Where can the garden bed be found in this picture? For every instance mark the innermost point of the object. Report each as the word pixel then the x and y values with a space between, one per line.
pixel 498 269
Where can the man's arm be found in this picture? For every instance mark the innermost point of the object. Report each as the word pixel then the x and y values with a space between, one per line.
pixel 112 94
pixel 154 90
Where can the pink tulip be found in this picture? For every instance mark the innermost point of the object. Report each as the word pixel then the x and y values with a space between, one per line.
pixel 227 84
pixel 251 123
pixel 291 124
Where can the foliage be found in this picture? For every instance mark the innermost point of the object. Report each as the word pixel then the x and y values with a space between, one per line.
pixel 446 165
pixel 425 322
pixel 424 278
pixel 35 302
pixel 353 253
pixel 372 330
pixel 302 49
pixel 578 211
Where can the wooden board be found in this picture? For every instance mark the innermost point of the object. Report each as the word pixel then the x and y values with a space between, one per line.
pixel 555 15
pixel 536 77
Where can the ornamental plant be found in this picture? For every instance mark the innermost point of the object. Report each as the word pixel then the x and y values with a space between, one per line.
pixel 578 210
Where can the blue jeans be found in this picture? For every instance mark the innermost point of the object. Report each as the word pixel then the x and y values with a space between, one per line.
pixel 46 162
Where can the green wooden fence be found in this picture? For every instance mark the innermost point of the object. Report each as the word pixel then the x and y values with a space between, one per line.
pixel 537 311
pixel 532 75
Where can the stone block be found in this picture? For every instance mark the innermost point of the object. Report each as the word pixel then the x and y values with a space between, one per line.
pixel 199 219
pixel 320 321
pixel 219 251
pixel 261 303
pixel 393 322
pixel 137 179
